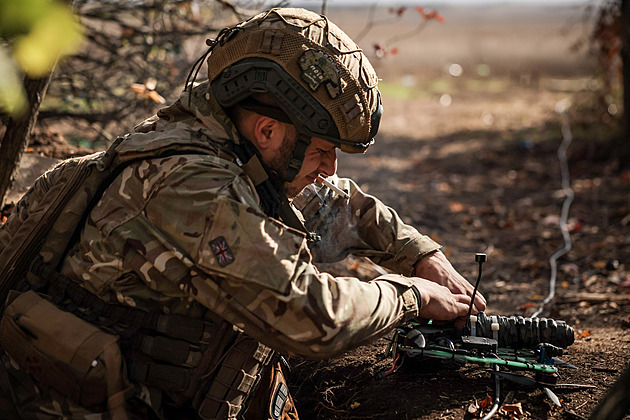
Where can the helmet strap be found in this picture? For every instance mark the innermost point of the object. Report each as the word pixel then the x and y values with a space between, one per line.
pixel 272 198
pixel 297 157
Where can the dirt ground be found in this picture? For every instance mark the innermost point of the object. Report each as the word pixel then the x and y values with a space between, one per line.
pixel 495 190
pixel 472 161
pixel 480 172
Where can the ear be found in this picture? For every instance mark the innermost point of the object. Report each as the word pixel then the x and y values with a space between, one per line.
pixel 268 133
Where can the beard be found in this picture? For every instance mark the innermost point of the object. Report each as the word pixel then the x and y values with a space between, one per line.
pixel 279 163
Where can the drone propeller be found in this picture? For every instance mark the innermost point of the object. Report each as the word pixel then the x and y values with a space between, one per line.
pixel 417 337
pixel 517 379
pixel 562 363
pixel 552 396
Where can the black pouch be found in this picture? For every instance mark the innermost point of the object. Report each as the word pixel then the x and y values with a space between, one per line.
pixel 62 351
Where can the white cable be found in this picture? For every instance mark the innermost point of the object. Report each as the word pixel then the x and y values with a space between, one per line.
pixel 497 395
pixel 567 137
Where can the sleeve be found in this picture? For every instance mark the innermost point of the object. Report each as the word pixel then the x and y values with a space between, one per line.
pixel 361 225
pixel 255 272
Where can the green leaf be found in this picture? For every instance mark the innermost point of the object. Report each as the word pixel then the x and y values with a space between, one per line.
pixel 17 17
pixel 12 96
pixel 53 36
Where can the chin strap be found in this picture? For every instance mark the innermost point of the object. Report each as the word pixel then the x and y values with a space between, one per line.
pixel 273 200
pixel 301 143
pixel 297 157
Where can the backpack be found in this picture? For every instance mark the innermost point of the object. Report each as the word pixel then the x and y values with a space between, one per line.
pixel 36 232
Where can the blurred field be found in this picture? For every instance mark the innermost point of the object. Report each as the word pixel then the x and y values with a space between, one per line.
pixel 508 38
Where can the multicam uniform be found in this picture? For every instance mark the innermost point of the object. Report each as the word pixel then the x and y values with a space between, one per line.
pixel 185 234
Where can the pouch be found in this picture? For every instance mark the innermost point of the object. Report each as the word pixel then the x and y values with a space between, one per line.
pixel 62 351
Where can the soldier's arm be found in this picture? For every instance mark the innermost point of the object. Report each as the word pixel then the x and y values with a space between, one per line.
pixel 362 226
pixel 365 226
pixel 257 273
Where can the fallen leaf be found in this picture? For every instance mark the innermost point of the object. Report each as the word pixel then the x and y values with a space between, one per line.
pixel 29 150
pixel 473 407
pixel 513 408
pixel 354 405
pixel 455 207
pixel 584 334
pixel 138 88
pixel 575 227
pixel 486 402
pixel 156 97
pixel 526 306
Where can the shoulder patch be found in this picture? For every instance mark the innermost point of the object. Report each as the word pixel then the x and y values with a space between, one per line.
pixel 222 251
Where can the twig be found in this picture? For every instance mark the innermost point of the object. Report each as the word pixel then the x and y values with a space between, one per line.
pixel 593 298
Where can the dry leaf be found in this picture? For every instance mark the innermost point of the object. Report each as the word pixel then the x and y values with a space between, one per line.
pixel 156 97
pixel 455 207
pixel 526 306
pixel 586 333
pixel 138 88
pixel 354 405
pixel 513 408
pixel 486 402
pixel 473 407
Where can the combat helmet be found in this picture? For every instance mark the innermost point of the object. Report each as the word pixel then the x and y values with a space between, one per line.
pixel 320 79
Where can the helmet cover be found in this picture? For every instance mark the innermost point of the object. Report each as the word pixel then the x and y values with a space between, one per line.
pixel 319 78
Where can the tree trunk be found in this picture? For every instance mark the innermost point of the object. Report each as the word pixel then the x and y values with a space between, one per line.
pixel 16 136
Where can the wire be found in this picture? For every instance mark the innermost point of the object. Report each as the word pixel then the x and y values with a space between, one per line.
pixel 567 137
pixel 497 394
pixel 472 299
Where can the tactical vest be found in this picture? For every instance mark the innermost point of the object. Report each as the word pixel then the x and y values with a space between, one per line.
pixel 205 362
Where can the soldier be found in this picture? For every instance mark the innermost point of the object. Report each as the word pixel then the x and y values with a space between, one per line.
pixel 196 265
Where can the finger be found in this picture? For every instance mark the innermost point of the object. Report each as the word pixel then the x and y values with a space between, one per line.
pixel 460 322
pixel 463 298
pixel 479 306
pixel 461 309
pixel 480 303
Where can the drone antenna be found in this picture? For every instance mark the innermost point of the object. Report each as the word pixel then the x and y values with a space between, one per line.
pixel 480 258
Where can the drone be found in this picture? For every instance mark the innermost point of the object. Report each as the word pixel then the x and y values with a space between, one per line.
pixel 522 350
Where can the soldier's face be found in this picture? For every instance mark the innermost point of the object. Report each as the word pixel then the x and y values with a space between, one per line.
pixel 320 158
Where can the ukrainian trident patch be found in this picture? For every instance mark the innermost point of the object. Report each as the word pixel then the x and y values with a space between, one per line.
pixel 221 251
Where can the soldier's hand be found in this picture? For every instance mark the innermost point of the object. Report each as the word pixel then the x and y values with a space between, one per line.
pixel 438 303
pixel 437 268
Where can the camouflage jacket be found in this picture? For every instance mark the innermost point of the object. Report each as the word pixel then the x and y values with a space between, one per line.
pixel 186 233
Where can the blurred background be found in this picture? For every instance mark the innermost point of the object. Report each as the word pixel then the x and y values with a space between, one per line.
pixel 134 55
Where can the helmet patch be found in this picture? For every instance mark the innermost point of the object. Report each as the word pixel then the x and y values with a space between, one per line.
pixel 317 68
